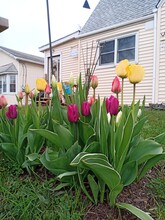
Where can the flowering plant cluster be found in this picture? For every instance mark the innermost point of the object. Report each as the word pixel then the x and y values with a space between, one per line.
pixel 93 143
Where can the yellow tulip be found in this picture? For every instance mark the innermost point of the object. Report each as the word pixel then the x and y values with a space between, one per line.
pixel 27 89
pixel 41 84
pixel 135 73
pixel 121 68
pixel 59 87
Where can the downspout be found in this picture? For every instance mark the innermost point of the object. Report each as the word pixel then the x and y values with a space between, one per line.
pixel 154 58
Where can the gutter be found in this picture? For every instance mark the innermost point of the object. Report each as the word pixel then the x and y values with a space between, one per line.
pixel 115 26
pixel 30 61
pixel 154 58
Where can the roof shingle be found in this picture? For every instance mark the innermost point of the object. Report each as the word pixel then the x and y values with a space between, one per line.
pixel 112 12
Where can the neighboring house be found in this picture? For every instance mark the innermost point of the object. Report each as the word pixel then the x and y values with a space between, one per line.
pixel 4 24
pixel 17 69
pixel 121 29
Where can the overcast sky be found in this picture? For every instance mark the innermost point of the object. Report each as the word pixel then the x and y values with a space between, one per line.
pixel 28 29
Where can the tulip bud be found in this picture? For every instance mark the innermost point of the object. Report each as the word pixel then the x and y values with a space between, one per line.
pixel 139 113
pixel 118 118
pixel 27 89
pixel 41 84
pixel 47 89
pixel 3 102
pixel 71 80
pixel 85 108
pixel 121 68
pixel 59 87
pixel 94 82
pixel 12 112
pixel 116 87
pixel 72 113
pixel 54 82
pixel 20 95
pixel 35 93
pixel 91 100
pixel 109 117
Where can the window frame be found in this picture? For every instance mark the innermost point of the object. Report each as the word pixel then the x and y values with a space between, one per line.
pixel 8 83
pixel 115 39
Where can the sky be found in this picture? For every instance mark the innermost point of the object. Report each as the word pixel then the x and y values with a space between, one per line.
pixel 28 27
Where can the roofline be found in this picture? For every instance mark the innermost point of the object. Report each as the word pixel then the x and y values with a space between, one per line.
pixel 160 3
pixel 30 61
pixel 60 40
pixel 115 26
pixel 22 59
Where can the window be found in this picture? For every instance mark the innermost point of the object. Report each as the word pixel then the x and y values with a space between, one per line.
pixel 113 51
pixel 7 84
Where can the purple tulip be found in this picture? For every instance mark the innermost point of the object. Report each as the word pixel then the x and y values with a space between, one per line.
pixel 12 112
pixel 112 105
pixel 85 108
pixel 73 114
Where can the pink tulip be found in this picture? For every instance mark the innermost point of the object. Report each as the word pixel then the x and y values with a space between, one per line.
pixel 47 89
pixel 3 102
pixel 85 108
pixel 20 95
pixel 94 81
pixel 116 87
pixel 112 105
pixel 72 112
pixel 91 100
pixel 12 112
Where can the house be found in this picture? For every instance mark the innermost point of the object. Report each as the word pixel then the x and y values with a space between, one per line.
pixel 4 24
pixel 117 30
pixel 17 69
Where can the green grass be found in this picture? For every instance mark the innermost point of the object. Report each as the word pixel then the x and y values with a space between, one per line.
pixel 23 197
pixel 26 198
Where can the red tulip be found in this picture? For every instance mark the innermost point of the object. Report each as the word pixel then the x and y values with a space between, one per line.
pixel 94 81
pixel 112 105
pixel 20 95
pixel 116 87
pixel 91 100
pixel 73 114
pixel 85 108
pixel 12 112
pixel 47 89
pixel 3 101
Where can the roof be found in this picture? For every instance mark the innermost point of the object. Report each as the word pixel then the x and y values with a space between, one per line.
pixel 4 24
pixel 8 68
pixel 23 56
pixel 109 13
pixel 60 40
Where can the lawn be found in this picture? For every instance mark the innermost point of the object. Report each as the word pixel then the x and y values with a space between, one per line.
pixel 39 197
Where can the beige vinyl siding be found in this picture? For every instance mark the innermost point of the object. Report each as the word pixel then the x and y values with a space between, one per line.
pixel 161 80
pixel 145 58
pixel 68 63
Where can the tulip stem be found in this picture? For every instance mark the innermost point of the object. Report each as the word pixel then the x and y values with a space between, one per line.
pixel 134 90
pixel 94 94
pixel 122 92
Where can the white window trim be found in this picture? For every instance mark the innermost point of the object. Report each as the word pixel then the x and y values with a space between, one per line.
pixel 8 83
pixel 110 65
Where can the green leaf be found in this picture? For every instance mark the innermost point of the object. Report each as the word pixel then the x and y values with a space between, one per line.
pixel 145 150
pixel 60 186
pixel 160 138
pixel 149 164
pixel 137 212
pixel 94 187
pixel 86 131
pixel 64 135
pixel 32 156
pixel 138 126
pixel 129 172
pixel 10 150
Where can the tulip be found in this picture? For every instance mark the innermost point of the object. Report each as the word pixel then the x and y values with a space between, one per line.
pixel 118 118
pixel 85 108
pixel 112 105
pixel 94 81
pixel 109 117
pixel 54 82
pixel 72 112
pixel 91 100
pixel 71 80
pixel 139 113
pixel 31 95
pixel 121 68
pixel 135 73
pixel 3 102
pixel 35 93
pixel 12 112
pixel 47 89
pixel 20 95
pixel 116 87
pixel 27 89
pixel 41 84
